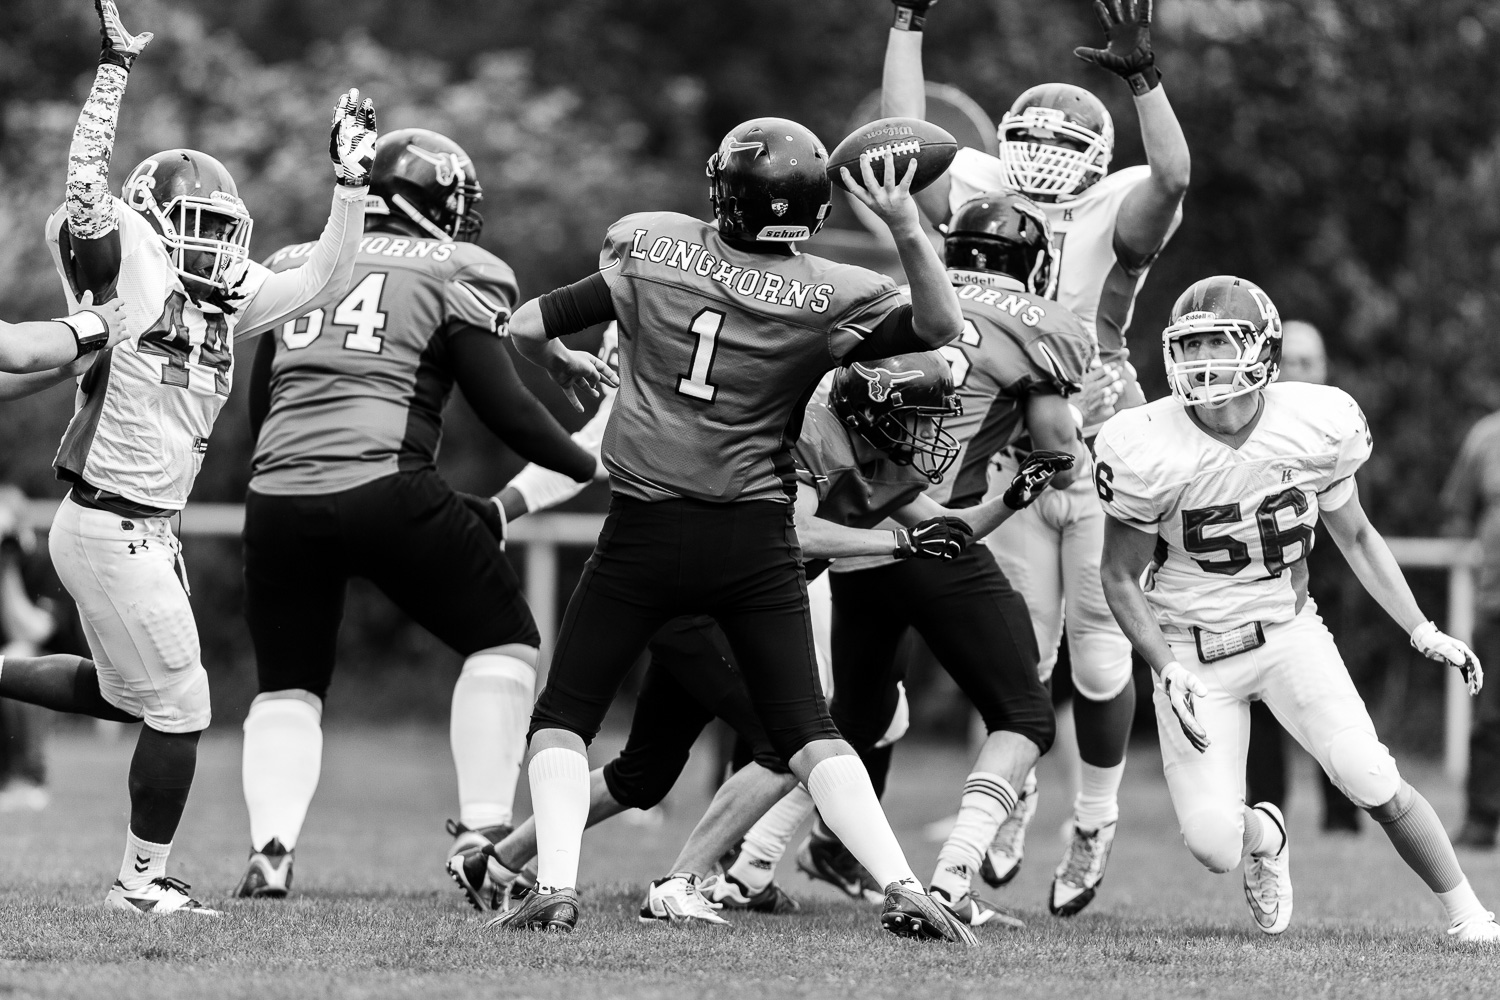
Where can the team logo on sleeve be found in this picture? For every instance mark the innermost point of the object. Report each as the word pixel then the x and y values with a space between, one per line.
pixel 884 384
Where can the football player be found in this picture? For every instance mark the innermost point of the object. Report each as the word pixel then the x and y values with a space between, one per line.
pixel 1107 228
pixel 173 248
pixel 725 330
pixel 1018 360
pixel 1213 494
pixel 868 452
pixel 348 405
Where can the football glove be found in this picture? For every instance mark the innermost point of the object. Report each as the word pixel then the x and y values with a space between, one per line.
pixel 1181 687
pixel 911 14
pixel 945 537
pixel 1436 645
pixel 1032 477
pixel 118 47
pixel 351 141
pixel 1127 34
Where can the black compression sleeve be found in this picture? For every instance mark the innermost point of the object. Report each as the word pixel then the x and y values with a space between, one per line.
pixel 92 265
pixel 260 382
pixel 577 306
pixel 895 335
pixel 485 373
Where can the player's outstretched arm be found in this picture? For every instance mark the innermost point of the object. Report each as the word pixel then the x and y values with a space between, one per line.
pixel 1372 562
pixel 326 273
pixel 1146 215
pixel 936 317
pixel 903 90
pixel 824 539
pixel 950 530
pixel 20 386
pixel 536 326
pixel 47 345
pixel 1127 551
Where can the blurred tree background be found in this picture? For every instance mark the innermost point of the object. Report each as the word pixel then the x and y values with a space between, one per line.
pixel 1346 156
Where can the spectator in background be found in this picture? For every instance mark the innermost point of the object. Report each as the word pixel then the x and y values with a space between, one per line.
pixel 1471 499
pixel 1303 359
pixel 26 624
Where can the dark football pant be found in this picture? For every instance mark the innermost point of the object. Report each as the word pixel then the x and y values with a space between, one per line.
pixel 411 535
pixel 976 625
pixel 691 680
pixel 738 563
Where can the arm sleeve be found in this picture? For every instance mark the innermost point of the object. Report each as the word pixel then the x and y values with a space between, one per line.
pixel 1460 494
pixel 542 488
pixel 288 294
pixel 484 371
pixel 576 307
pixel 1355 445
pixel 891 336
pixel 260 384
pixel 1124 495
pixel 91 238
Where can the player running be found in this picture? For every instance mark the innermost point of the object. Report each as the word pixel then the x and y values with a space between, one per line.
pixel 348 403
pixel 1107 228
pixel 174 250
pixel 1213 493
pixel 1018 360
pixel 724 332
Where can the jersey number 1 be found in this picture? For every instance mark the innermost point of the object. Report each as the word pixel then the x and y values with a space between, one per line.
pixel 706 325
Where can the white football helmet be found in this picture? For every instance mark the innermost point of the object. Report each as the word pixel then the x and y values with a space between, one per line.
pixel 1241 312
pixel 1055 142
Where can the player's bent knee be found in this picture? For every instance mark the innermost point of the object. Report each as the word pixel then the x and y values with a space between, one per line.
pixel 512 663
pixel 313 701
pixel 1215 837
pixel 182 708
pixel 1363 769
pixel 1397 806
pixel 1101 666
pixel 640 787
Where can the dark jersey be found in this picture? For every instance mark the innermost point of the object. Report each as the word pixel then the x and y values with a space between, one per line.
pixel 357 390
pixel 1014 345
pixel 851 493
pixel 720 349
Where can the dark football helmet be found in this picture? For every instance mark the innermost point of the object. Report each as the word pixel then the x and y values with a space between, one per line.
pixel 899 405
pixel 1002 232
pixel 1244 314
pixel 1055 142
pixel 768 180
pixel 428 179
pixel 193 204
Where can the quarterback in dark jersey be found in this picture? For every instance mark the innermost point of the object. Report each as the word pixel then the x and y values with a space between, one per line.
pixel 724 332
pixel 347 403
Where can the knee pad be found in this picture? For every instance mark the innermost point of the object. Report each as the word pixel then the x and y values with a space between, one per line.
pixel 1362 768
pixel 184 707
pixel 1216 837
pixel 639 788
pixel 1101 665
pixel 900 721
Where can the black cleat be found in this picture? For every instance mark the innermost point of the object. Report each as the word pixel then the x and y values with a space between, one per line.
pixel 269 875
pixel 826 859
pixel 553 912
pixel 914 914
pixel 732 894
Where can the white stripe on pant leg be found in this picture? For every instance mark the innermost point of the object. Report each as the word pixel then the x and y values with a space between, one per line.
pixel 491 712
pixel 281 763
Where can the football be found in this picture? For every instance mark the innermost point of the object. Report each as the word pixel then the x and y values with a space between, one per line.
pixel 905 138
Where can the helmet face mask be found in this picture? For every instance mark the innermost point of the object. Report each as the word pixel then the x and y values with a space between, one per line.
pixel 1056 141
pixel 1236 314
pixel 1001 233
pixel 899 405
pixel 768 182
pixel 192 203
pixel 428 180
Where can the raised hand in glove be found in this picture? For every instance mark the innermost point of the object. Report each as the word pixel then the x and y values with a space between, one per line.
pixel 944 537
pixel 118 47
pixel 910 14
pixel 1436 645
pixel 1034 475
pixel 351 142
pixel 1181 687
pixel 1127 34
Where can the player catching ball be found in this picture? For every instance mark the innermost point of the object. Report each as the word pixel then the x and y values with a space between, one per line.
pixel 1213 493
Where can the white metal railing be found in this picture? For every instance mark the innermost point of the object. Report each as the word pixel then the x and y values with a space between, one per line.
pixel 542 535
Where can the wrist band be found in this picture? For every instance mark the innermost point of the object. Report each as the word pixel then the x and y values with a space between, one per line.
pixel 909 19
pixel 904 548
pixel 90 332
pixel 1145 81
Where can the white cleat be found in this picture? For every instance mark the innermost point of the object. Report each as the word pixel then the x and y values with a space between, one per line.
pixel 1081 870
pixel 1480 930
pixel 1268 881
pixel 1003 860
pixel 161 895
pixel 677 899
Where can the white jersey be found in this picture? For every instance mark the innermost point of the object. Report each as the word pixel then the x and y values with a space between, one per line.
pixel 144 410
pixel 1091 279
pixel 1233 525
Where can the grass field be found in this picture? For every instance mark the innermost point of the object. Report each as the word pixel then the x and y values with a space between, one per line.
pixel 374 916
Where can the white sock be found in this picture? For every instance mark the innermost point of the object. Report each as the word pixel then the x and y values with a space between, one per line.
pixel 1462 904
pixel 280 765
pixel 1264 837
pixel 846 800
pixel 768 839
pixel 487 730
pixel 143 862
pixel 1097 803
pixel 560 806
pixel 987 800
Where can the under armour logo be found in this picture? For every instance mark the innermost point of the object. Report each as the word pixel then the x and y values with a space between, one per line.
pixel 142 543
